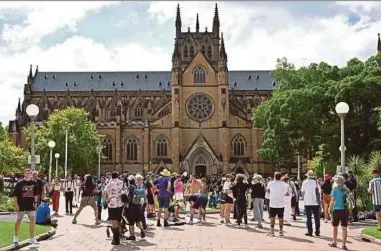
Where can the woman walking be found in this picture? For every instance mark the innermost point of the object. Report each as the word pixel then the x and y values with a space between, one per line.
pixel 258 196
pixel 136 199
pixel 69 187
pixel 228 198
pixel 56 191
pixel 326 188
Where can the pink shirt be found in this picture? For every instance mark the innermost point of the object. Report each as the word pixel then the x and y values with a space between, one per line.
pixel 179 186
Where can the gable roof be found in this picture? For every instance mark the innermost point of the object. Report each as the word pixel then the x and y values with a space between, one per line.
pixel 138 80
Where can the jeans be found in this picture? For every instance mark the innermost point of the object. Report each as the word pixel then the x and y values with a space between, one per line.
pixel 142 216
pixel 69 201
pixel 315 210
pixel 258 209
pixel 99 205
pixel 241 211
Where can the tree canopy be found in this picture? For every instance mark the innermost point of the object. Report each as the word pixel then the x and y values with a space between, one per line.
pixel 300 117
pixel 12 158
pixel 82 140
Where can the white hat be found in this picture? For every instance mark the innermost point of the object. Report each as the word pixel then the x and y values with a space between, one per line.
pixel 185 174
pixel 131 177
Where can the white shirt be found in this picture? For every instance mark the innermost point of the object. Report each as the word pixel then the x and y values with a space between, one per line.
pixel 278 190
pixel 227 186
pixel 114 192
pixel 69 184
pixel 309 190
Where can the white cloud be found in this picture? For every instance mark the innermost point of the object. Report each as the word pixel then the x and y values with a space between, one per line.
pixel 255 37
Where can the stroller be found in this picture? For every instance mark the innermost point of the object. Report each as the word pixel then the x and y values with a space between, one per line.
pixel 123 224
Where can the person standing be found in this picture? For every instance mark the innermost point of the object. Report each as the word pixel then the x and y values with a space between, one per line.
pixel 150 197
pixel 113 196
pixel 339 210
pixel 287 201
pixel 258 198
pixel 239 190
pixel 69 186
pixel 276 190
pixel 228 198
pixel 142 193
pixel 40 187
pixel 56 191
pixel 326 188
pixel 78 183
pixel 351 183
pixel 164 185
pixel 179 194
pixel 25 203
pixel 311 195
pixel 375 190
pixel 101 187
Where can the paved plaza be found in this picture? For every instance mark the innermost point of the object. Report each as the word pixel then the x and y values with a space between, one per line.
pixel 210 236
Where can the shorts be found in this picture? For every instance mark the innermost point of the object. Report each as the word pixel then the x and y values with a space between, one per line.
pixel 150 199
pixel 163 202
pixel 179 196
pixel 202 201
pixel 293 201
pixel 377 208
pixel 228 200
pixel 88 201
pixel 115 213
pixel 340 216
pixel 274 212
pixel 327 198
pixel 133 214
pixel 21 214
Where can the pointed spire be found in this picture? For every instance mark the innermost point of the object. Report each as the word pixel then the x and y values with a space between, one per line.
pixel 216 21
pixel 222 48
pixel 30 72
pixel 197 24
pixel 176 53
pixel 178 21
pixel 379 43
pixel 18 110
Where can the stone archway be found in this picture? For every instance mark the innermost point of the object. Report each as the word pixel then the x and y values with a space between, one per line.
pixel 201 163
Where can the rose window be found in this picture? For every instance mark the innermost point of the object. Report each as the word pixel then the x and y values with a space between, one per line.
pixel 200 107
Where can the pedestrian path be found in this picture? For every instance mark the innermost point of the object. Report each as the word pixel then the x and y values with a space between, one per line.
pixel 210 236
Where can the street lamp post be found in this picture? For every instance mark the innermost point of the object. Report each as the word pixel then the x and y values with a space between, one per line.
pixel 51 145
pixel 32 111
pixel 99 150
pixel 66 135
pixel 57 156
pixel 342 109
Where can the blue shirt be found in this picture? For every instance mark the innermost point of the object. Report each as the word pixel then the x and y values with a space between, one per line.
pixel 338 195
pixel 162 183
pixel 43 212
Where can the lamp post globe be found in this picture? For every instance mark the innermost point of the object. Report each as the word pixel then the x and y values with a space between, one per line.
pixel 57 155
pixel 342 108
pixel 32 110
pixel 51 144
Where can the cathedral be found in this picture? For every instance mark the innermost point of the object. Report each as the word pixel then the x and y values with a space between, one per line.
pixel 195 118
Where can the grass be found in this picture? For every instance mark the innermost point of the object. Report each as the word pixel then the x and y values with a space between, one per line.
pixel 7 231
pixel 6 204
pixel 372 231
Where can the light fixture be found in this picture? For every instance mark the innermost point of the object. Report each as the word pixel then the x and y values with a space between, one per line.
pixel 51 144
pixel 32 110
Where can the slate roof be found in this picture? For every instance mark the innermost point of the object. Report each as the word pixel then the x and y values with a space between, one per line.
pixel 134 81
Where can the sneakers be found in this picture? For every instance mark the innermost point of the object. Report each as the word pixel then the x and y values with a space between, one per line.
pixel 97 222
pixel 33 241
pixel 281 233
pixel 259 226
pixel 166 223
pixel 246 226
pixel 142 234
pixel 74 221
pixel 158 223
pixel 15 240
pixel 131 238
pixel 271 233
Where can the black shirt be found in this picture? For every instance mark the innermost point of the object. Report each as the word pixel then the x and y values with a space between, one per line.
pixel 25 191
pixel 40 186
pixel 88 190
pixel 257 191
pixel 326 187
pixel 148 186
pixel 239 191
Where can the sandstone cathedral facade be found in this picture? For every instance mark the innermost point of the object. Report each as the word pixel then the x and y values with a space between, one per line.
pixel 194 118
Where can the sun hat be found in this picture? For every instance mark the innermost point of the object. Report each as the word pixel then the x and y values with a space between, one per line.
pixel 257 176
pixel 185 174
pixel 327 177
pixel 165 173
pixel 131 177
pixel 310 174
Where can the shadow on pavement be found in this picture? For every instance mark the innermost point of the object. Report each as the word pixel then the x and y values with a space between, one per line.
pixel 296 239
pixel 91 226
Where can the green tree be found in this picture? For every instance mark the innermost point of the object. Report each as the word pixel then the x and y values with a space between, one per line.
pixel 300 117
pixel 82 140
pixel 12 158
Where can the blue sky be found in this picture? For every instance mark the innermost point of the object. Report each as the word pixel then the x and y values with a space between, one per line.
pixel 85 36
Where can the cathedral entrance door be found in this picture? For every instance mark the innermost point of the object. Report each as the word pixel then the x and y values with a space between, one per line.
pixel 200 171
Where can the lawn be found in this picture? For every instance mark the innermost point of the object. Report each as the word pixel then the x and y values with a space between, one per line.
pixel 7 231
pixel 372 231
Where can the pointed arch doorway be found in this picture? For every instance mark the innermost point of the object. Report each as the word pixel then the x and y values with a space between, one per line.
pixel 200 166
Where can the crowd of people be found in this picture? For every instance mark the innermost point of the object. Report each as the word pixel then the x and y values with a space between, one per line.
pixel 131 199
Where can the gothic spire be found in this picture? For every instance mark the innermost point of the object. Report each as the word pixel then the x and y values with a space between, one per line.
pixel 379 43
pixel 18 110
pixel 197 24
pixel 216 21
pixel 178 21
pixel 223 54
pixel 30 76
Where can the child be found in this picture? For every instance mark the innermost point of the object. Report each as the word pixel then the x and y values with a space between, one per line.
pixel 43 214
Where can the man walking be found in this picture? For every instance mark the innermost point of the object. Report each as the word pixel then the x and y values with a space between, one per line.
pixel 311 192
pixel 25 203
pixel 276 190
pixel 164 184
pixel 375 190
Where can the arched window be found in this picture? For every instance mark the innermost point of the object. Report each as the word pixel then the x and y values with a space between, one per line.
pixel 132 149
pixel 203 49
pixel 191 51
pixel 162 147
pixel 238 146
pixel 257 101
pixel 138 111
pixel 199 75
pixel 107 148
pixel 209 52
pixel 185 51
pixel 113 114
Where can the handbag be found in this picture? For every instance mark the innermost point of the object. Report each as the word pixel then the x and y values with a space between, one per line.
pixel 317 193
pixel 222 196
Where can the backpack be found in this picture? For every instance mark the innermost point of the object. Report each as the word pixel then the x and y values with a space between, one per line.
pixel 349 201
pixel 139 195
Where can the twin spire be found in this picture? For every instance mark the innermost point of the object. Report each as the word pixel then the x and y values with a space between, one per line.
pixel 379 44
pixel 216 21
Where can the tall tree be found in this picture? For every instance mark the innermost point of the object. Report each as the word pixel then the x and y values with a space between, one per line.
pixel 82 140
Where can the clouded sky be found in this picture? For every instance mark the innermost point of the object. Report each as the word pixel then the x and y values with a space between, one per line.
pixel 128 36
